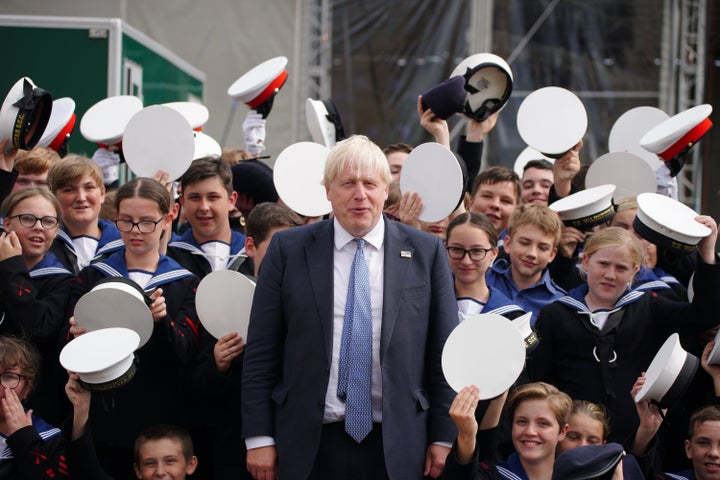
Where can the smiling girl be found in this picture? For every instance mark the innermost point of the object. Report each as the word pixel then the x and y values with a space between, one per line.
pixel 471 248
pixel 539 415
pixel 156 393
pixel 35 287
pixel 599 337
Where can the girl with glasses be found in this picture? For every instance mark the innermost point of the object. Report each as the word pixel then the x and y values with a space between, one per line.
pixel 32 448
pixel 156 393
pixel 35 287
pixel 471 246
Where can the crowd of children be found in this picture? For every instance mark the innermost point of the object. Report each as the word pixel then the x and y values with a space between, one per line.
pixel 602 304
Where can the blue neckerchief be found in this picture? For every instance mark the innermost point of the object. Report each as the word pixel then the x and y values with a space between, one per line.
pixel 167 271
pixel 44 429
pixel 109 241
pixel 187 242
pixel 49 265
pixel 647 279
pixel 575 298
pixel 511 468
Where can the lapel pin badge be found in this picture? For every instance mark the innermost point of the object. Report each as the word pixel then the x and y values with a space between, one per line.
pixel 405 253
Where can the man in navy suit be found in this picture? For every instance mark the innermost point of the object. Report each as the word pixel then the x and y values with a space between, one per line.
pixel 294 421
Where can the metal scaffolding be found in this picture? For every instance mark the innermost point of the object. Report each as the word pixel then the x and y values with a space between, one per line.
pixel 314 49
pixel 682 78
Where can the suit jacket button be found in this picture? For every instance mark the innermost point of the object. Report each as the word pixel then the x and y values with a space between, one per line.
pixel 321 404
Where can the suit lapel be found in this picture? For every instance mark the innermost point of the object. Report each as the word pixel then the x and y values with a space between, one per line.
pixel 319 255
pixel 398 256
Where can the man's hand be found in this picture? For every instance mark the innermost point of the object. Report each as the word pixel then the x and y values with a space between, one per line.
pixel 262 463
pixel 435 460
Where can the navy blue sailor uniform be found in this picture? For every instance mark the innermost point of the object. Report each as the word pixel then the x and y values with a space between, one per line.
pixel 33 306
pixel 189 253
pixel 33 452
pixel 65 251
pixel 157 393
pixel 219 392
pixel 601 365
pixel 531 299
pixel 657 280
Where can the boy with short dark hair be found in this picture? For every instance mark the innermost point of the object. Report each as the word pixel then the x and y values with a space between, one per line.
pixel 264 220
pixel 496 192
pixel 207 198
pixel 531 244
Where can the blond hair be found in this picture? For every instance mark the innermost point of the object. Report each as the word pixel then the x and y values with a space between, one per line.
pixel 357 153
pixel 538 215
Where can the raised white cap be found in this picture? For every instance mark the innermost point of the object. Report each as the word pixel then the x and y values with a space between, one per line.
pixel 298 174
pixel 552 120
pixel 105 121
pixel 433 172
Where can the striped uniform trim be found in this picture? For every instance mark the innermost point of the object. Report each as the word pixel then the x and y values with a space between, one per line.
pixel 47 271
pixel 653 285
pixel 104 267
pixel 505 309
pixel 186 246
pixel 167 277
pixel 505 473
pixel 115 244
pixel 679 477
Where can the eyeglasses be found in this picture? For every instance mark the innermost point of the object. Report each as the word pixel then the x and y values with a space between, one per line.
pixel 144 226
pixel 476 254
pixel 29 221
pixel 11 380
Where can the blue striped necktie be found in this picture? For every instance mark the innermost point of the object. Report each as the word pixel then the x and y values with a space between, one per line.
pixel 355 364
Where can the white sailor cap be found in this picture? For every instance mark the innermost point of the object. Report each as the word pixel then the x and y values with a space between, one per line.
pixel 195 113
pixel 24 114
pixel 678 133
pixel 434 173
pixel 586 208
pixel 116 302
pixel 630 174
pixel 298 174
pixel 668 223
pixel 446 98
pixel 630 127
pixel 552 120
pixel 205 146
pixel 260 83
pixel 522 323
pixel 324 122
pixel 158 138
pixel 481 340
pixel 527 155
pixel 669 375
pixel 714 356
pixel 488 81
pixel 104 123
pixel 104 359
pixel 60 125
pixel 223 301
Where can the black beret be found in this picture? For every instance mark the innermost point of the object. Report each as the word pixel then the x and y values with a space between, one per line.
pixel 255 179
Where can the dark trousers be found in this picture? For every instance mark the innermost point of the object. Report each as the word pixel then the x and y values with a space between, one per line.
pixel 342 458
